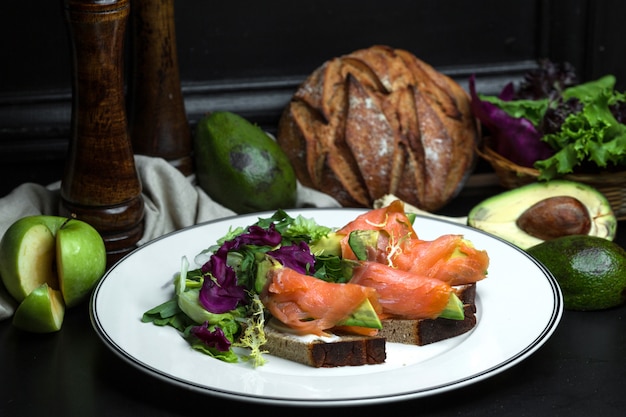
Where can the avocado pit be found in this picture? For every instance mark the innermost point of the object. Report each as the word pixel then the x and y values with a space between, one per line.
pixel 555 217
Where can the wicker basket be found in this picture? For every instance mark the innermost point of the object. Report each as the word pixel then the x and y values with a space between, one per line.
pixel 511 175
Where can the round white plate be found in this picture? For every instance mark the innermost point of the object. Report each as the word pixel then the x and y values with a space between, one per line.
pixel 507 331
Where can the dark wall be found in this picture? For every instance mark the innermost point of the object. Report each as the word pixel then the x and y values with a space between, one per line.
pixel 248 56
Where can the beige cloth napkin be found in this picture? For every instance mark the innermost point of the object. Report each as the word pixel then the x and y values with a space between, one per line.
pixel 172 202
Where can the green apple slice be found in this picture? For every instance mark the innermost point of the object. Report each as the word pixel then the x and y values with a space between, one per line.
pixel 81 260
pixel 27 255
pixel 42 311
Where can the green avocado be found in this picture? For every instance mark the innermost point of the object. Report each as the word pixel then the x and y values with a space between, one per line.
pixel 361 241
pixel 240 166
pixel 531 214
pixel 363 316
pixel 591 271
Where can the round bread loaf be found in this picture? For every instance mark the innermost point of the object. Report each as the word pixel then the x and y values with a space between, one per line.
pixel 380 121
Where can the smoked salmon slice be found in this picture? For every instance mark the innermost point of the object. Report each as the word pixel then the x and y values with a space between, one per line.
pixel 401 293
pixel 450 258
pixel 391 220
pixel 309 305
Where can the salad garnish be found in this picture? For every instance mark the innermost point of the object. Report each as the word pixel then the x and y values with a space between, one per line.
pixel 223 293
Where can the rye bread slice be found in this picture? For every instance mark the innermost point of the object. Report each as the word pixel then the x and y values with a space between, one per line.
pixel 346 350
pixel 427 331
pixel 354 350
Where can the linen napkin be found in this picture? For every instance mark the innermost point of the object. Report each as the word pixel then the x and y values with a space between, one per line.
pixel 172 201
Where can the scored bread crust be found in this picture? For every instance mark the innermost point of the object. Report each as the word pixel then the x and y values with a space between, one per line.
pixel 380 121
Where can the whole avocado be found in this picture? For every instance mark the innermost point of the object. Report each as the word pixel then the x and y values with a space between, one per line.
pixel 239 166
pixel 591 271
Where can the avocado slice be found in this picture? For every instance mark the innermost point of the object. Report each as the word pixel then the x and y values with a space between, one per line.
pixel 454 309
pixel 499 214
pixel 361 240
pixel 328 245
pixel 363 316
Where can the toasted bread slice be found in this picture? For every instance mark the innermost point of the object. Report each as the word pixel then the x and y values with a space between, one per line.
pixel 427 331
pixel 340 350
pixel 355 350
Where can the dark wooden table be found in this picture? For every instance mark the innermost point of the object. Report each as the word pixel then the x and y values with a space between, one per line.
pixel 579 371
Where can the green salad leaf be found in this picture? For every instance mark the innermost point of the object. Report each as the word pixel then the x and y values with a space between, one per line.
pixel 297 242
pixel 590 135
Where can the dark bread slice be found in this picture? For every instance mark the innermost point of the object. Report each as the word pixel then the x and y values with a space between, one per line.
pixel 346 350
pixel 354 350
pixel 427 331
pixel 467 293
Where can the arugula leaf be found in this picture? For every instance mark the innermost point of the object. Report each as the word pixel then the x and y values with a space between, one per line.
pixel 295 229
pixel 331 268
pixel 167 314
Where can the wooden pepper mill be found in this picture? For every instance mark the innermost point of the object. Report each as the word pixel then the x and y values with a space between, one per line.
pixel 100 184
pixel 157 118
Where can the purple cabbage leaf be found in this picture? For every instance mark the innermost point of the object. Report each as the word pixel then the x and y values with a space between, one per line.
pixel 513 136
pixel 297 257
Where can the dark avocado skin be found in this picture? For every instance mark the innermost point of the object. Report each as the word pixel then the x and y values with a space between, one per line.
pixel 239 166
pixel 591 271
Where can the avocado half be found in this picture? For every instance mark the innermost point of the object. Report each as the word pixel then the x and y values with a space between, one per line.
pixel 498 214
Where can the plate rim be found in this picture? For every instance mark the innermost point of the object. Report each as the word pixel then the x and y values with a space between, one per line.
pixel 531 347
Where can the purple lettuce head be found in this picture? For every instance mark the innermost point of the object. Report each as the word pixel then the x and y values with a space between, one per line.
pixel 516 139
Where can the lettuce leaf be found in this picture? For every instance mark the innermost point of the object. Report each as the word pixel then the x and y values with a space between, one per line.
pixel 592 135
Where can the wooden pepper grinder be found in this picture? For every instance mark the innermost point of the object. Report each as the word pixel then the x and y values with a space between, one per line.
pixel 100 184
pixel 157 118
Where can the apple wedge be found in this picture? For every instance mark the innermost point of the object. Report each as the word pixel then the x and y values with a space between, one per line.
pixel 42 311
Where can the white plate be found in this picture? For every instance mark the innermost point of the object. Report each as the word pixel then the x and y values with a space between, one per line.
pixel 507 331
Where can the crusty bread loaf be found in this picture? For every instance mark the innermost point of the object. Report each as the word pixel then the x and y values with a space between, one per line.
pixel 380 121
pixel 346 350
